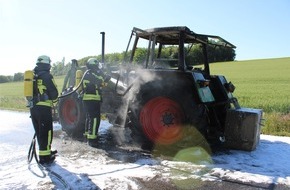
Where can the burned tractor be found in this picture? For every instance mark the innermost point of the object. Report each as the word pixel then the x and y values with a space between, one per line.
pixel 161 96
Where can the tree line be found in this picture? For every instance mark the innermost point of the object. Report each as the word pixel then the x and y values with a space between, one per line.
pixel 194 56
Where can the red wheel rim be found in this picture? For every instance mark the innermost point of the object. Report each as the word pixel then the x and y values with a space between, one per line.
pixel 161 119
pixel 69 111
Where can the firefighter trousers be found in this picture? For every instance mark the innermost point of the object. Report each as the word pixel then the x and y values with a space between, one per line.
pixel 41 117
pixel 93 116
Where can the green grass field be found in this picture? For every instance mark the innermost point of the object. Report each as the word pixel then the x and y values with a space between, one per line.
pixel 263 84
pixel 12 95
pixel 259 83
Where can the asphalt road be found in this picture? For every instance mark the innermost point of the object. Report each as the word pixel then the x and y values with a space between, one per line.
pixel 120 148
pixel 114 148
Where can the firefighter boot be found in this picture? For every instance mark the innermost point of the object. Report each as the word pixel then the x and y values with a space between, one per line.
pixel 49 159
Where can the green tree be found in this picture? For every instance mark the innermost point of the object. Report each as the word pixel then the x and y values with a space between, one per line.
pixel 140 56
pixel 220 54
pixel 18 77
pixel 59 68
pixel 4 79
pixel 194 56
pixel 114 58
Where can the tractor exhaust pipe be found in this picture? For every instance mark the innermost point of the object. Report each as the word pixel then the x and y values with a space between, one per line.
pixel 103 46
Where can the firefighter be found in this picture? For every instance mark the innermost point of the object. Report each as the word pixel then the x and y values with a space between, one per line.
pixel 44 94
pixel 93 82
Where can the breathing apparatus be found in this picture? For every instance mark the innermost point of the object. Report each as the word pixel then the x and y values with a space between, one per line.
pixel 79 75
pixel 78 85
pixel 30 82
pixel 28 87
pixel 92 64
pixel 30 79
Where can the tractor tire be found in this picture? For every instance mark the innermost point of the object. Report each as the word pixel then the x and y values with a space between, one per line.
pixel 147 127
pixel 159 116
pixel 71 115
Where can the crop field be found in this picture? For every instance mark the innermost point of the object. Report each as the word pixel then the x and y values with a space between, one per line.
pixel 12 98
pixel 263 84
pixel 259 83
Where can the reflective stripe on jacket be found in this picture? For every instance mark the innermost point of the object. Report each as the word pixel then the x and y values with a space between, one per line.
pixel 42 98
pixel 92 85
pixel 46 90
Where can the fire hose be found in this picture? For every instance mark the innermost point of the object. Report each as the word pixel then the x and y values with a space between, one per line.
pixel 76 88
pixel 32 153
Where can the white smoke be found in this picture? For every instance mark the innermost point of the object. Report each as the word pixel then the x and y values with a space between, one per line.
pixel 132 79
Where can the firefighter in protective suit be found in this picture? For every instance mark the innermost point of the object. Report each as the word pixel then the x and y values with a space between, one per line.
pixel 44 93
pixel 93 82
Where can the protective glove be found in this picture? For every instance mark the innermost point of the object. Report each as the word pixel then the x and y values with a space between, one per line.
pixel 107 78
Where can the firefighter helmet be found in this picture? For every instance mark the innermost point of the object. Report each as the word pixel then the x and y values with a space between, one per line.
pixel 43 59
pixel 93 63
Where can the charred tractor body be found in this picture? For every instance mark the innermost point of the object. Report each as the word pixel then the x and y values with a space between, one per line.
pixel 165 100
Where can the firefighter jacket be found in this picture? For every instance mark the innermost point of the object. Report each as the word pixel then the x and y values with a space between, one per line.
pixel 45 91
pixel 92 85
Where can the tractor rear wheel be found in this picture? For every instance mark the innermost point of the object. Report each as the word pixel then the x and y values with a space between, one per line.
pixel 71 115
pixel 162 117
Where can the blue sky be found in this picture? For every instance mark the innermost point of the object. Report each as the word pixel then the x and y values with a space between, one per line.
pixel 71 28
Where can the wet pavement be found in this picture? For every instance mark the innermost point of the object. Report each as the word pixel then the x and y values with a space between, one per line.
pixel 115 153
pixel 115 145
